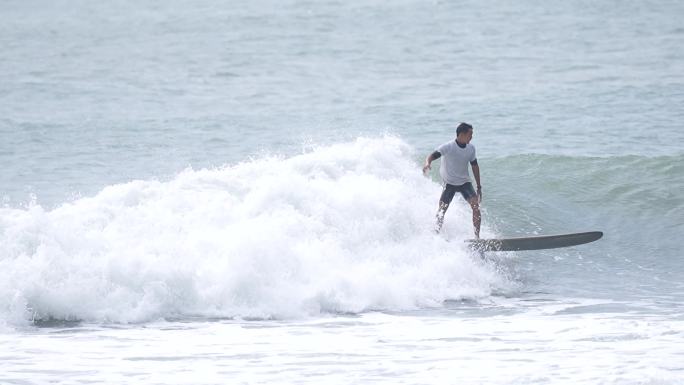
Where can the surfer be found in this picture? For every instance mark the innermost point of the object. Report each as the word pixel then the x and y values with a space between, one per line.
pixel 454 171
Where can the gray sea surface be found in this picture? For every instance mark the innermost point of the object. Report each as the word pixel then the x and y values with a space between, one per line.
pixel 201 192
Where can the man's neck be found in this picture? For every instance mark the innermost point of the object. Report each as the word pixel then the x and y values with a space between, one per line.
pixel 462 145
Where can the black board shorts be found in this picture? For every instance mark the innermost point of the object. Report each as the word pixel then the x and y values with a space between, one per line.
pixel 450 190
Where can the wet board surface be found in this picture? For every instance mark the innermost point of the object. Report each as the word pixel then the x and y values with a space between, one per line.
pixel 534 243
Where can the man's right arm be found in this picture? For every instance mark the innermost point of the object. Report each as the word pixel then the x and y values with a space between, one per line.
pixel 434 156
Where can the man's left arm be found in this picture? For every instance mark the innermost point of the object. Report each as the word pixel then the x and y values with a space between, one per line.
pixel 476 174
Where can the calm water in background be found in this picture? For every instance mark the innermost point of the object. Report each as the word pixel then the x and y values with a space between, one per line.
pixel 208 193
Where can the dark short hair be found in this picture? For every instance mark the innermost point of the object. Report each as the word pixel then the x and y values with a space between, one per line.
pixel 463 128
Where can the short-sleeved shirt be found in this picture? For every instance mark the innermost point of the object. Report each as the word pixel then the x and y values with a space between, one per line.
pixel 455 160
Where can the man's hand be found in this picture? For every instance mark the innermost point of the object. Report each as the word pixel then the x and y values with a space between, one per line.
pixel 428 161
pixel 426 168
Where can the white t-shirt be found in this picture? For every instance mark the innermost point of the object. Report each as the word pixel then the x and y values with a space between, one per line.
pixel 455 160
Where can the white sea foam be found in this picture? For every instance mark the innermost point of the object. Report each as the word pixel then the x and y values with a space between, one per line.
pixel 343 228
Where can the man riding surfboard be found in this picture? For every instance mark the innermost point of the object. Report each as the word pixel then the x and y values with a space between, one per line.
pixel 454 172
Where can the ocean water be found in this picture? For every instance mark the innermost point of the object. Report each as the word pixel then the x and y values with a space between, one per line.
pixel 230 192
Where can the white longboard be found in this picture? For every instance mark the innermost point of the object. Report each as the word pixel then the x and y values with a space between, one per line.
pixel 534 243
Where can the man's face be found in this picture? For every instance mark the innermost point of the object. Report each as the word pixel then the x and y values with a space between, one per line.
pixel 466 137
